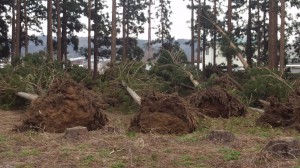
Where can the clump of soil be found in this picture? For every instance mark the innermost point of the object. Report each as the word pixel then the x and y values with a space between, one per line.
pixel 216 102
pixel 66 104
pixel 283 114
pixel 165 114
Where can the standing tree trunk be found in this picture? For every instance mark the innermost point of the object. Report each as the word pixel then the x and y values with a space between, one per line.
pixel 64 48
pixel 149 30
pixel 265 31
pixel 215 34
pixel 89 34
pixel 26 27
pixel 113 33
pixel 249 37
pixel 272 48
pixel 192 34
pixel 204 44
pixel 96 33
pixel 162 25
pixel 18 29
pixel 230 28
pixel 59 54
pixel 282 37
pixel 13 29
pixel 49 30
pixel 198 34
pixel 258 35
pixel 124 49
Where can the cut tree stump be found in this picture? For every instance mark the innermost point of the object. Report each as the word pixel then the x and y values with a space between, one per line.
pixel 76 133
pixel 222 136
pixel 287 147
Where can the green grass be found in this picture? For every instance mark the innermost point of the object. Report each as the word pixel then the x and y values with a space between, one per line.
pixel 188 138
pixel 131 134
pixel 88 159
pixel 118 164
pixel 230 154
pixel 29 152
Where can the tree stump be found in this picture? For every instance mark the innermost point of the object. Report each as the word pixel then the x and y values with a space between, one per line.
pixel 287 147
pixel 222 136
pixel 76 133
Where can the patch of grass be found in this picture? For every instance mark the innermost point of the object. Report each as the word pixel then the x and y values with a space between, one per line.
pixel 154 157
pixel 118 164
pixel 131 134
pixel 29 152
pixel 3 139
pixel 88 159
pixel 186 161
pixel 188 138
pixel 230 154
pixel 104 153
pixel 24 166
pixel 8 154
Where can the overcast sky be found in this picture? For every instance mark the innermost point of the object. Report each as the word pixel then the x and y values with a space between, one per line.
pixel 179 18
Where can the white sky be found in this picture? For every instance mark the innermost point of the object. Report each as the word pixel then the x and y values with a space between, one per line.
pixel 179 17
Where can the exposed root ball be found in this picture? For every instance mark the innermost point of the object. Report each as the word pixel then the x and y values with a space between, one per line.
pixel 216 102
pixel 66 104
pixel 283 114
pixel 165 114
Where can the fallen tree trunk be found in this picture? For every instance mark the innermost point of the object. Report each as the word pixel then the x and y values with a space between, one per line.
pixel 132 93
pixel 195 82
pixel 239 54
pixel 27 96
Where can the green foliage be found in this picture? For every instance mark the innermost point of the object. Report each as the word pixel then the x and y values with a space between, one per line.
pixel 118 164
pixel 263 83
pixel 230 154
pixel 172 68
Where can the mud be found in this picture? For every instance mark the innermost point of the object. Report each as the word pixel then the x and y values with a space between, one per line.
pixel 66 104
pixel 164 114
pixel 216 102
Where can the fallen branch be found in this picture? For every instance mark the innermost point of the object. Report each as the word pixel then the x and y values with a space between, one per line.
pixel 27 96
pixel 256 109
pixel 132 93
pixel 264 103
pixel 195 82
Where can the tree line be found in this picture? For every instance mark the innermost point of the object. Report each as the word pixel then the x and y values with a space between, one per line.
pixel 229 23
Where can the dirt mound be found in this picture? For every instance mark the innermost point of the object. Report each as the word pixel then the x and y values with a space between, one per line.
pixel 66 104
pixel 165 114
pixel 286 114
pixel 216 102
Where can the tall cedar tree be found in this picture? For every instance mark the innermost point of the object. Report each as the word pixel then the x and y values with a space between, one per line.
pixel 49 30
pixel 282 36
pixel 198 33
pixel 163 12
pixel 249 49
pixel 230 28
pixel 113 33
pixel 59 54
pixel 192 34
pixel 272 47
pixel 89 33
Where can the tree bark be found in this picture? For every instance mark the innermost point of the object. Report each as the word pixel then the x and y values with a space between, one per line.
pixel 132 93
pixel 124 49
pixel 192 34
pixel 96 33
pixel 59 47
pixel 89 34
pixel 18 29
pixel 249 37
pixel 113 33
pixel 258 35
pixel 272 48
pixel 49 30
pixel 204 45
pixel 27 96
pixel 230 28
pixel 149 30
pixel 26 27
pixel 13 29
pixel 198 34
pixel 282 36
pixel 215 35
pixel 64 49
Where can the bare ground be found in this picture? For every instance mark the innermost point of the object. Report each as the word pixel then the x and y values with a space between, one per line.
pixel 115 147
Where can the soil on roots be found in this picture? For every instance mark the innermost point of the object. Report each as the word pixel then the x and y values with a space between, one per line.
pixel 66 104
pixel 283 114
pixel 216 102
pixel 164 114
